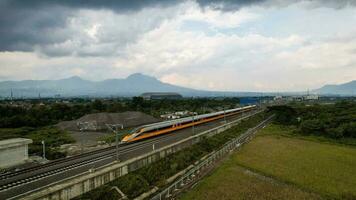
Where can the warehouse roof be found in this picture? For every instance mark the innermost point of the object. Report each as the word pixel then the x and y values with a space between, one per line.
pixel 14 142
pixel 160 93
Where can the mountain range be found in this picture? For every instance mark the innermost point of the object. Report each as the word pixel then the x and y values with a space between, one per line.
pixel 345 89
pixel 133 85
pixel 75 86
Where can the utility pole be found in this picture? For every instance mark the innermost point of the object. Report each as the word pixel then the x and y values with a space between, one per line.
pixel 11 97
pixel 82 126
pixel 81 141
pixel 43 149
pixel 114 129
pixel 193 126
pixel 224 115
pixel 194 123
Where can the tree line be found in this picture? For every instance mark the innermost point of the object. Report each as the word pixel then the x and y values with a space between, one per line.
pixel 331 120
pixel 51 113
pixel 35 120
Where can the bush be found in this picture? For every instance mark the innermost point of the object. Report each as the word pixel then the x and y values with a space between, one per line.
pixel 333 121
pixel 104 192
pixel 131 185
pixel 312 126
pixel 349 129
pixel 285 115
pixel 54 153
pixel 52 136
pixel 335 133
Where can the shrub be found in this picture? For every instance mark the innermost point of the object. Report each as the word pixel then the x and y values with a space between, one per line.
pixel 131 185
pixel 349 129
pixel 312 126
pixel 285 115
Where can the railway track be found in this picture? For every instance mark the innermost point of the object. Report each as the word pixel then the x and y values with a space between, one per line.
pixel 59 166
pixel 6 175
pixel 84 156
pixel 11 180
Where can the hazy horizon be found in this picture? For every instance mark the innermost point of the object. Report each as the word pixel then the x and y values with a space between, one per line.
pixel 259 46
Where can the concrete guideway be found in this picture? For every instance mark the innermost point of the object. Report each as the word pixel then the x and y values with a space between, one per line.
pixel 43 179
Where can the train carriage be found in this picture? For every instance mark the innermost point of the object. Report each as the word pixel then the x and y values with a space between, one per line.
pixel 160 128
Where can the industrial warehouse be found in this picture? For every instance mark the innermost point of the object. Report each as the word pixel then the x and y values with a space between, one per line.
pixel 161 95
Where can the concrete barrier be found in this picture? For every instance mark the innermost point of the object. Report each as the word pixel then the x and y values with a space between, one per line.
pixel 84 182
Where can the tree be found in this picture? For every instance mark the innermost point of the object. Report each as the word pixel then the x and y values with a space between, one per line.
pixel 98 105
pixel 312 126
pixel 286 115
pixel 349 130
pixel 137 103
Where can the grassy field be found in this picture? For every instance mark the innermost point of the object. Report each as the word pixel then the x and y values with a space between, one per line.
pixel 304 165
pixel 230 182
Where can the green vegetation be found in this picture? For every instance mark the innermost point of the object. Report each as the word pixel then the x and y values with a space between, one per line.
pixel 308 153
pixel 326 169
pixel 156 173
pixel 110 138
pixel 51 135
pixel 294 132
pixel 335 121
pixel 37 115
pixel 34 120
pixel 278 164
pixel 231 181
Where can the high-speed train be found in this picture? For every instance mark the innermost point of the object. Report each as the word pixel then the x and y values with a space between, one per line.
pixel 156 129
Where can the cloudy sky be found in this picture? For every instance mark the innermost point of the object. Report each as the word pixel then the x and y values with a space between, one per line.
pixel 238 45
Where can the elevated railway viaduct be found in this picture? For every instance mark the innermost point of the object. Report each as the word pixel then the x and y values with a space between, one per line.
pixel 73 176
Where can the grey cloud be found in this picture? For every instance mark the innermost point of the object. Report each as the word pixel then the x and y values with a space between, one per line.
pixel 45 26
pixel 39 25
pixel 22 28
pixel 337 4
pixel 228 5
pixel 123 5
pixel 131 5
pixel 120 6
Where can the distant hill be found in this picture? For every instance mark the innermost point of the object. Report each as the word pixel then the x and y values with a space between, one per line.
pixel 341 89
pixel 133 85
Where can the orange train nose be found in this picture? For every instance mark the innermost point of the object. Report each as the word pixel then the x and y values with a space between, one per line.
pixel 126 138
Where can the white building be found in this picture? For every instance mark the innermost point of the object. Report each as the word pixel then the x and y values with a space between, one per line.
pixel 13 151
pixel 178 114
pixel 170 116
pixel 311 97
pixel 277 98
